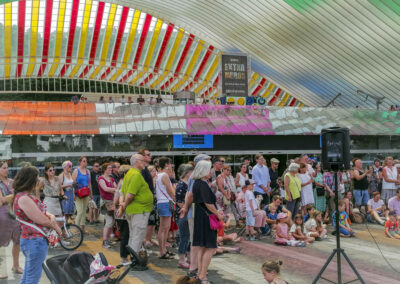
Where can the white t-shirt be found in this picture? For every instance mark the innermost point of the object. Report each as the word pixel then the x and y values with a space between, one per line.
pixel 374 204
pixel 309 224
pixel 249 197
pixel 293 228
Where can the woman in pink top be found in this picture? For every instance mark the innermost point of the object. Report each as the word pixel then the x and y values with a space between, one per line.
pixel 107 187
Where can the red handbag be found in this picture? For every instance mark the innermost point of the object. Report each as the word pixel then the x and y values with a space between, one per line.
pixel 83 192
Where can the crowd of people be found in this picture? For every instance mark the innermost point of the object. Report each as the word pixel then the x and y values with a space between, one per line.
pixel 148 201
pixel 139 100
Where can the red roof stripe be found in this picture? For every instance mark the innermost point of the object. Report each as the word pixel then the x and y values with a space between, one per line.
pixel 260 85
pixel 46 36
pixel 93 48
pixel 21 34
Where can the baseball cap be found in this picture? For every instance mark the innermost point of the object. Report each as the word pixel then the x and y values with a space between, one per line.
pixel 201 157
pixel 275 160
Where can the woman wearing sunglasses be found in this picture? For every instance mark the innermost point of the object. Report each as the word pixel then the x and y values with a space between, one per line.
pixel 51 190
pixel 65 181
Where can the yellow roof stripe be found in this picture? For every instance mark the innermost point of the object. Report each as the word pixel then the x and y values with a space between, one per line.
pixel 131 38
pixel 34 35
pixel 129 45
pixel 7 38
pixel 59 37
pixel 253 78
pixel 174 50
pixel 82 44
pixel 284 100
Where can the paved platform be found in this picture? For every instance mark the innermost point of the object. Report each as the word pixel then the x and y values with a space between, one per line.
pixel 300 264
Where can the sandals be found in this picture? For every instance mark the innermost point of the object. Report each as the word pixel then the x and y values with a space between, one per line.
pixel 204 281
pixel 166 256
pixel 17 270
pixel 170 253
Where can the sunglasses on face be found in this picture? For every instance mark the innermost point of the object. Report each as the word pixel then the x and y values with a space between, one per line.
pixel 51 170
pixel 148 154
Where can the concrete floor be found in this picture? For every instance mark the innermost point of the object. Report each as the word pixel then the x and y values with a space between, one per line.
pixel 301 265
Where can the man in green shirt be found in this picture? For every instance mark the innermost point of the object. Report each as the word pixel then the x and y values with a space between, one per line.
pixel 138 202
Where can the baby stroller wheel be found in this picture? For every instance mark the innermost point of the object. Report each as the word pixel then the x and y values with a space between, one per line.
pixel 72 237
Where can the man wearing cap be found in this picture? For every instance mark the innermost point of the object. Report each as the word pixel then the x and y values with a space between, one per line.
pixel 273 175
pixel 188 209
pixel 262 180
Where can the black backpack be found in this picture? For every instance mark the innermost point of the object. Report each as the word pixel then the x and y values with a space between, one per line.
pixel 77 267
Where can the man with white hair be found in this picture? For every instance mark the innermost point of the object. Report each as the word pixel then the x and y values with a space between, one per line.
pixel 138 202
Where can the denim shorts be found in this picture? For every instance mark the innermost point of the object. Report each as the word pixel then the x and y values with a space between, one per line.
pixel 250 219
pixel 361 196
pixel 163 210
pixel 344 231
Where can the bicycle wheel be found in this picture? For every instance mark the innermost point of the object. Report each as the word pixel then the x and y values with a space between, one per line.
pixel 72 237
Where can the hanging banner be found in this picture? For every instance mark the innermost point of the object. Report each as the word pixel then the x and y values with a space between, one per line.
pixel 234 75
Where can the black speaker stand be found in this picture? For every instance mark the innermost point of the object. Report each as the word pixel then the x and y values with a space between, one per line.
pixel 338 251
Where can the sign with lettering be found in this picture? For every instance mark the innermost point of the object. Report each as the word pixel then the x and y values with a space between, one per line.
pixel 234 77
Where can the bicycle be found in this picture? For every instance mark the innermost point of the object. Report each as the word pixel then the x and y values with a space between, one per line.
pixel 72 235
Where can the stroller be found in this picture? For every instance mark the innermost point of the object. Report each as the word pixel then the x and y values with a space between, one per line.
pixel 75 269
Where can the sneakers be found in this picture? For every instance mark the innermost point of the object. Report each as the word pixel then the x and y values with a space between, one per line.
pixel 106 244
pixel 318 239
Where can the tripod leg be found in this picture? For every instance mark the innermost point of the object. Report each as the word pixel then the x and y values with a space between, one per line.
pixel 324 267
pixel 352 266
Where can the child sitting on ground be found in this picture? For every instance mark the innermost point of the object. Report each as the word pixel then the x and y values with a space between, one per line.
pixel 309 211
pixel 297 230
pixel 282 233
pixel 271 218
pixel 314 227
pixel 344 227
pixel 222 237
pixel 392 227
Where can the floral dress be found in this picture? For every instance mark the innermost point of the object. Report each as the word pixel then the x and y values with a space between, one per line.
pixel 320 201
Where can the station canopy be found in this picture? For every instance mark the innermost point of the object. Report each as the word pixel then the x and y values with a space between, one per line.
pixel 302 52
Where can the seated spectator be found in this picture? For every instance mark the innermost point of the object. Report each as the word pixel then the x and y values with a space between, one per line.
pixel 122 99
pixel 221 250
pixel 283 236
pixel 394 203
pixel 159 100
pixel 151 101
pixel 130 100
pixel 222 237
pixel 110 100
pixel 270 270
pixel 314 227
pixel 377 209
pixel 140 100
pixel 277 202
pixel 344 227
pixel 75 99
pixel 392 226
pixel 101 100
pixel 309 212
pixel 271 218
pixel 297 230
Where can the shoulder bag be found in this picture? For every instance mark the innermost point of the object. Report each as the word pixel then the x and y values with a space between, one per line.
pixel 215 225
pixel 83 191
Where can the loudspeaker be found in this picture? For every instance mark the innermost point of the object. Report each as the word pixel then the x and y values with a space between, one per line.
pixel 335 146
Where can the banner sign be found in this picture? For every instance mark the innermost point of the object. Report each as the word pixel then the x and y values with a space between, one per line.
pixel 193 141
pixel 234 75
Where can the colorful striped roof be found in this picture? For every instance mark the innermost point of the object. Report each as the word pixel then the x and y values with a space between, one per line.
pixel 110 42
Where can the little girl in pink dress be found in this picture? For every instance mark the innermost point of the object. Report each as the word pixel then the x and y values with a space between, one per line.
pixel 282 233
